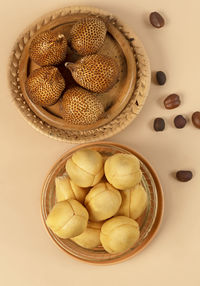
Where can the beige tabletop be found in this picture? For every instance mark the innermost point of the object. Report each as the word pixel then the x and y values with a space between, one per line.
pixel 27 254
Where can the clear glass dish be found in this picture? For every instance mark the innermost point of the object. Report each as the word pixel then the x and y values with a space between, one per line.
pixel 149 221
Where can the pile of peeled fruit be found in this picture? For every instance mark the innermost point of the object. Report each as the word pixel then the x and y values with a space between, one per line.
pixel 98 201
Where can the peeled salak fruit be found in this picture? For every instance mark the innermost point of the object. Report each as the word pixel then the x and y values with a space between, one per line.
pixel 118 234
pixel 66 189
pixel 134 202
pixel 67 218
pixel 85 167
pixel 102 202
pixel 123 171
pixel 90 238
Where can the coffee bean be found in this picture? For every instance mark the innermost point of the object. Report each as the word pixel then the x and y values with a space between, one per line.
pixel 172 101
pixel 179 121
pixel 156 20
pixel 184 176
pixel 161 77
pixel 196 119
pixel 159 124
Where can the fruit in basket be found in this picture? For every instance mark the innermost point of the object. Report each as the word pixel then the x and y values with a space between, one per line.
pixel 66 189
pixel 123 171
pixel 81 107
pixel 88 35
pixel 45 85
pixel 118 234
pixel 97 73
pixel 48 48
pixel 134 202
pixel 102 202
pixel 90 238
pixel 67 218
pixel 85 167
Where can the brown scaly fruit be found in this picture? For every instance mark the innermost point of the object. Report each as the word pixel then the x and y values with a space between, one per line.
pixel 97 73
pixel 87 35
pixel 45 85
pixel 81 107
pixel 48 48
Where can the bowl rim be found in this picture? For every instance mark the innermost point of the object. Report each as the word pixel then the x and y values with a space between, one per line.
pixel 160 210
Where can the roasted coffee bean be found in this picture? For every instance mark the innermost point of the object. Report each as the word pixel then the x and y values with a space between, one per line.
pixel 161 77
pixel 179 121
pixel 159 124
pixel 172 101
pixel 196 119
pixel 184 175
pixel 156 20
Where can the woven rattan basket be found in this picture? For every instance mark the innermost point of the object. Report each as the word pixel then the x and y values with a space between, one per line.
pixel 131 101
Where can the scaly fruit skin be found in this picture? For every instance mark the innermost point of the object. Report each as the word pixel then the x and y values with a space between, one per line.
pixel 45 85
pixel 81 107
pixel 97 73
pixel 48 48
pixel 87 35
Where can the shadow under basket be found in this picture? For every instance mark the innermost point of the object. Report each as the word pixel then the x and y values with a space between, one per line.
pixel 122 103
pixel 149 221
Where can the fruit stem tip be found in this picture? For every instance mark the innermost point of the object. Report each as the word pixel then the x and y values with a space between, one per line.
pixel 69 66
pixel 61 36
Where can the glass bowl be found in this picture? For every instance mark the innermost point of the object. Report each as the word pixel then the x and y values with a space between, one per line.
pixel 149 221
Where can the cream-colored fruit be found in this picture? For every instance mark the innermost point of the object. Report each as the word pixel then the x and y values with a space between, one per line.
pixel 123 171
pixel 102 202
pixel 134 202
pixel 66 189
pixel 67 218
pixel 85 167
pixel 90 238
pixel 118 234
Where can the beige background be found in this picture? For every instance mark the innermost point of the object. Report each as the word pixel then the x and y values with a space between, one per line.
pixel 27 254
